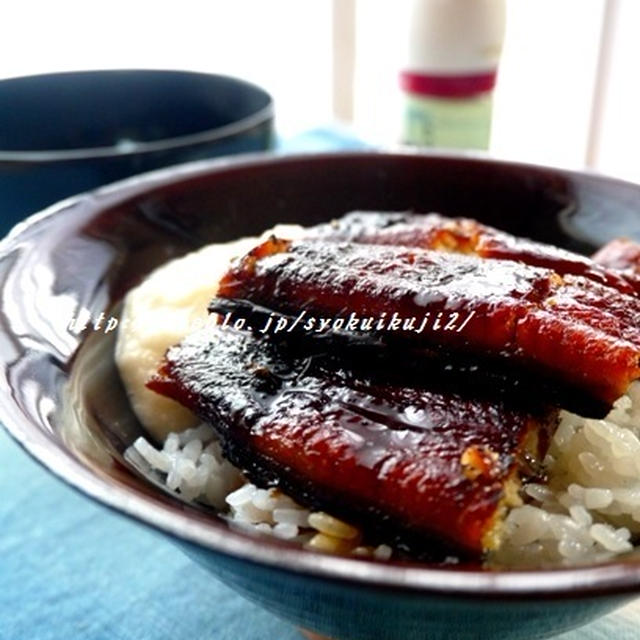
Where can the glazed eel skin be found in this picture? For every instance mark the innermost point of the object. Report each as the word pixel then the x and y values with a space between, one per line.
pixel 411 460
pixel 566 328
pixel 428 456
pixel 610 266
pixel 622 254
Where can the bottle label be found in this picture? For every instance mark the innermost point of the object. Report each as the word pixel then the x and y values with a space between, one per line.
pixel 441 122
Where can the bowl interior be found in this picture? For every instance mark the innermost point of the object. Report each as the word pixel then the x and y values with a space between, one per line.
pixel 120 108
pixel 61 396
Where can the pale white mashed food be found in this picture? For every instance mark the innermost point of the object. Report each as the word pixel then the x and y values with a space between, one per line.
pixel 168 305
pixel 589 510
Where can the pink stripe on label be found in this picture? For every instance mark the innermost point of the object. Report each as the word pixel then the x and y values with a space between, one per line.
pixel 447 86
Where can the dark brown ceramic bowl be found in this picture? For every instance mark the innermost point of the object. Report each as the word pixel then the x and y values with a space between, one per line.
pixel 61 399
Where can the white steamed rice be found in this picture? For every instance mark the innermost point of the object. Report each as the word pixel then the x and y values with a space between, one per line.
pixel 588 511
pixel 191 465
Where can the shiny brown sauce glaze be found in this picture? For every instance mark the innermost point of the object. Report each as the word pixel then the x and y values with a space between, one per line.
pixel 568 328
pixel 419 464
pixel 464 235
pixel 622 254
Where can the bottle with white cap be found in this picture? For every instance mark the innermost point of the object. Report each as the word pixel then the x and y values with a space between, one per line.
pixel 454 49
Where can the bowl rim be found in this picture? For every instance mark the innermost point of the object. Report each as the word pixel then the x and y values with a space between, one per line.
pixel 214 134
pixel 614 577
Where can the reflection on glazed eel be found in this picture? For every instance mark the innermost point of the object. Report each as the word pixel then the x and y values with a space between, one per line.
pixel 568 328
pixel 422 464
pixel 464 235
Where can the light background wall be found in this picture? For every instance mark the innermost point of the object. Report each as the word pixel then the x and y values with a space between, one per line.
pixel 284 45
pixel 550 106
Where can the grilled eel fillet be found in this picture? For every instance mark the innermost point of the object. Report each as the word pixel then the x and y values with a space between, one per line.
pixel 576 331
pixel 406 456
pixel 415 462
pixel 467 236
pixel 622 254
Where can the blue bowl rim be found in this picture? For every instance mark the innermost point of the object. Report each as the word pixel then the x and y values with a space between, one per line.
pixel 608 579
pixel 215 134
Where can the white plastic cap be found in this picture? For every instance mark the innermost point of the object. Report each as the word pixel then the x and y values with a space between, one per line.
pixel 455 36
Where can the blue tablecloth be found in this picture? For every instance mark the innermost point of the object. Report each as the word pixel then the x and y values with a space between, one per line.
pixel 71 569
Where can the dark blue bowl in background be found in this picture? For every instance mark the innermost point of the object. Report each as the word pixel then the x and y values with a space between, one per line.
pixel 64 133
